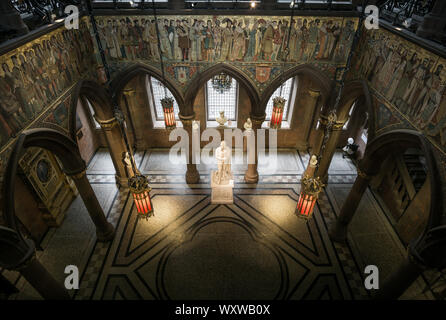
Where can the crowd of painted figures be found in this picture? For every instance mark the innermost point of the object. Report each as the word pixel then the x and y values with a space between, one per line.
pixel 407 79
pixel 34 75
pixel 224 39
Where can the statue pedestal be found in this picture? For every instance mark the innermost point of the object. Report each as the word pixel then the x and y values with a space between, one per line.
pixel 222 193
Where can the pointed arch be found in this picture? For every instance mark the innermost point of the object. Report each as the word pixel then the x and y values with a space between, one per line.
pixel 324 84
pixel 396 142
pixel 121 79
pixel 235 73
pixel 60 145
pixel 354 90
pixel 97 95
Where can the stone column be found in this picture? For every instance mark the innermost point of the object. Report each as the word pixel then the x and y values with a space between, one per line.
pixel 132 107
pixel 251 175
pixel 11 18
pixel 104 229
pixel 338 232
pixel 18 253
pixel 330 148
pixel 192 175
pixel 434 22
pixel 41 280
pixel 400 280
pixel 312 104
pixel 115 141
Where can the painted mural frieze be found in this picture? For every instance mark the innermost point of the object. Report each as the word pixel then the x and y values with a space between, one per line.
pixel 35 75
pixel 409 79
pixel 259 47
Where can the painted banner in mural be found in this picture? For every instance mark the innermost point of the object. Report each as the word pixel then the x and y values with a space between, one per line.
pixel 407 78
pixel 34 75
pixel 257 45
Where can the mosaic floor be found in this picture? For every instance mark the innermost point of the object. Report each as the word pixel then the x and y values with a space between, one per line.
pixel 255 248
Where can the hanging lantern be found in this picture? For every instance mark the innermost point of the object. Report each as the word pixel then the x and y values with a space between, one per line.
pixel 310 189
pixel 276 117
pixel 222 82
pixel 169 114
pixel 139 187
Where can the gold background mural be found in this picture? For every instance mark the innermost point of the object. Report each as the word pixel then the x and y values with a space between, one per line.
pixel 35 75
pixel 407 79
pixel 259 47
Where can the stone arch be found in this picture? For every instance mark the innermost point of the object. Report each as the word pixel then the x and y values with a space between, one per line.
pixel 99 98
pixel 242 79
pixel 72 164
pixel 397 141
pixel 324 84
pixel 351 92
pixel 121 79
pixel 103 107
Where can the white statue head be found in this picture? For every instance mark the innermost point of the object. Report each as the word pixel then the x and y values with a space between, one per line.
pixel 223 145
pixel 350 140
pixel 313 160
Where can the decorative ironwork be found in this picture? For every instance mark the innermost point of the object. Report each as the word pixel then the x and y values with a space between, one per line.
pixel 169 114
pixel 407 14
pixel 139 187
pixel 277 115
pixel 222 82
pixel 310 189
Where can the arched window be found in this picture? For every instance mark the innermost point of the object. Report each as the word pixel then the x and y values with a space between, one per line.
pixel 288 92
pixel 157 91
pixel 221 100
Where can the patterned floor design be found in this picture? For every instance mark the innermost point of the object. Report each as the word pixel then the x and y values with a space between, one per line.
pixel 255 248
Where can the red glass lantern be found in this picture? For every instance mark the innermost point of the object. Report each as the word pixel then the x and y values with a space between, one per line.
pixel 169 114
pixel 139 187
pixel 276 117
pixel 311 187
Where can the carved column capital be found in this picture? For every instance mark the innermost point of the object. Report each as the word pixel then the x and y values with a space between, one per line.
pixel 129 92
pixel 314 93
pixel 257 120
pixel 187 119
pixel 107 124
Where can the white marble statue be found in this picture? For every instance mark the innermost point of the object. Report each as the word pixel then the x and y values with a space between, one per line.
pixel 248 125
pixel 222 119
pixel 223 156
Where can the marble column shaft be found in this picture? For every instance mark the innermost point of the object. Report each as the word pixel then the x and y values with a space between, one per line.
pixel 104 229
pixel 251 175
pixel 192 175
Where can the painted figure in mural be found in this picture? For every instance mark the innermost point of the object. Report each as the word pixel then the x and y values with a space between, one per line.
pixel 277 39
pixel 267 42
pixel 226 43
pixel 208 41
pixel 166 48
pixel 436 126
pixel 322 41
pixel 252 37
pixel 259 39
pixel 122 37
pixel 409 70
pixel 432 99
pixel 346 38
pixel 397 76
pixel 183 39
pixel 238 49
pixel 313 34
pixel 217 34
pixel 415 86
pixel 424 89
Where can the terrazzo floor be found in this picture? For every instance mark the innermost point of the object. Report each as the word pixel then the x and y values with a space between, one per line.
pixel 255 248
